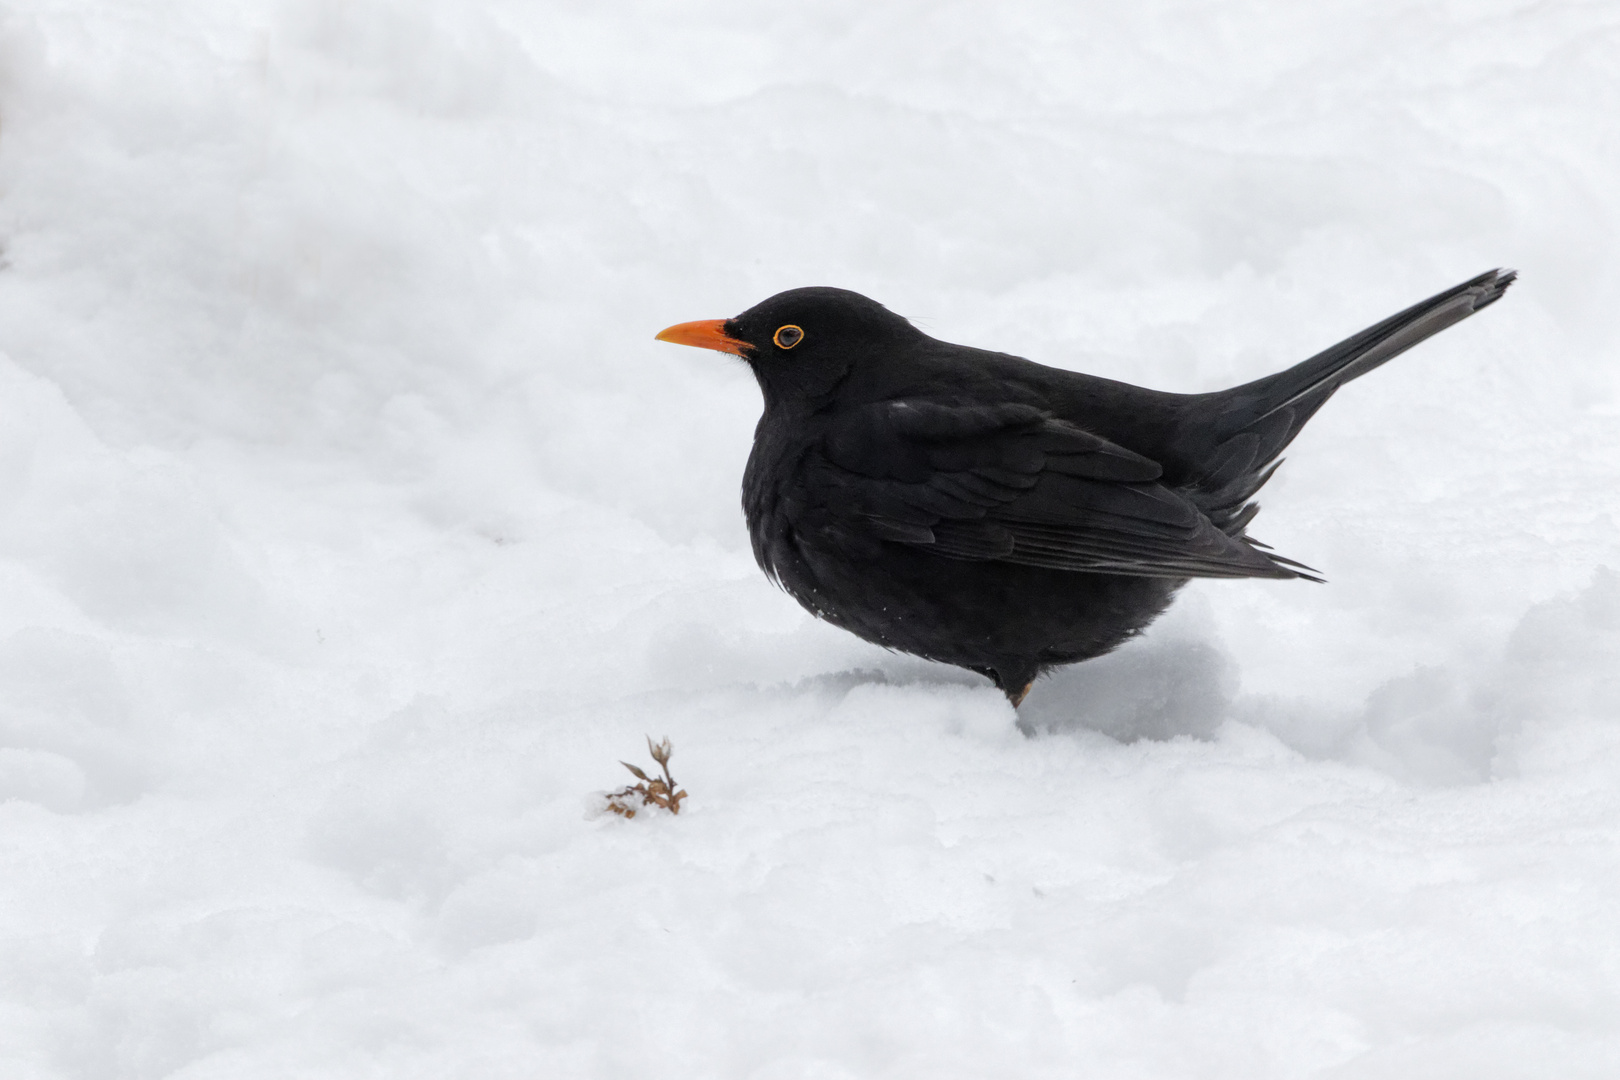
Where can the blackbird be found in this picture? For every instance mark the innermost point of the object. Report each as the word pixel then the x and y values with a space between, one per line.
pixel 983 510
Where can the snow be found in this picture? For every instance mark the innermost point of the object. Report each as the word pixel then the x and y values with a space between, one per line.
pixel 353 528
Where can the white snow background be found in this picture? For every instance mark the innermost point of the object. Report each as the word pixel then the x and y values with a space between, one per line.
pixel 353 527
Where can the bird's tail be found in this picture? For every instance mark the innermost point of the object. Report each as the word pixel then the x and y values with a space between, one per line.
pixel 1252 423
pixel 1305 386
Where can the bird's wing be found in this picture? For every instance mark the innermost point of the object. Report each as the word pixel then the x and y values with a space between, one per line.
pixel 1011 483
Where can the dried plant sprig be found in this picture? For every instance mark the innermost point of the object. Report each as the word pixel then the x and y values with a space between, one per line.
pixel 659 791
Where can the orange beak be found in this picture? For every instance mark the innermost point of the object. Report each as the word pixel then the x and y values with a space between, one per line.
pixel 705 334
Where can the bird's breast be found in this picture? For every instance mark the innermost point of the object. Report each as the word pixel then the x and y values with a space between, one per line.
pixel 776 504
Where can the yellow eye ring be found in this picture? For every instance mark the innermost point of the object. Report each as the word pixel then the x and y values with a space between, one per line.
pixel 787 336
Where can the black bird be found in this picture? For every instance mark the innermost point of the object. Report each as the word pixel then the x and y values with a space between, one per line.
pixel 987 511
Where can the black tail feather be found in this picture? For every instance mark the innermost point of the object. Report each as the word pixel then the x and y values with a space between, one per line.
pixel 1376 345
pixel 1255 422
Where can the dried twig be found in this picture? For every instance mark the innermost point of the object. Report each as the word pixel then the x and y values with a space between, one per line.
pixel 653 790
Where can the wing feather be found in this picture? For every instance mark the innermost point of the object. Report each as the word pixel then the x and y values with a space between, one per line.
pixel 1011 483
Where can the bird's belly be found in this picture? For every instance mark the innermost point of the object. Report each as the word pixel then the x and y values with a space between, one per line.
pixel 977 614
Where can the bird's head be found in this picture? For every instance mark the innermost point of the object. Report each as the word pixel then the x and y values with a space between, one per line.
pixel 803 342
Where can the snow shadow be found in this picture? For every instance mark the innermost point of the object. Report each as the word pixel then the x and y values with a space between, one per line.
pixel 1151 689
pixel 1458 722
pixel 1479 715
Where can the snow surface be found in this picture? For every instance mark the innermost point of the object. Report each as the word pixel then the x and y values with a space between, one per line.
pixel 354 528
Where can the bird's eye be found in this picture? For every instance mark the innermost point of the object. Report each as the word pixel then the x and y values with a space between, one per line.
pixel 788 336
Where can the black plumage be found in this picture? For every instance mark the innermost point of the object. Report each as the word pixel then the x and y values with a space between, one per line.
pixel 987 511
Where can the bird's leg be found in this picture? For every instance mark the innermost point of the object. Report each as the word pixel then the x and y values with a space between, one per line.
pixel 1015 684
